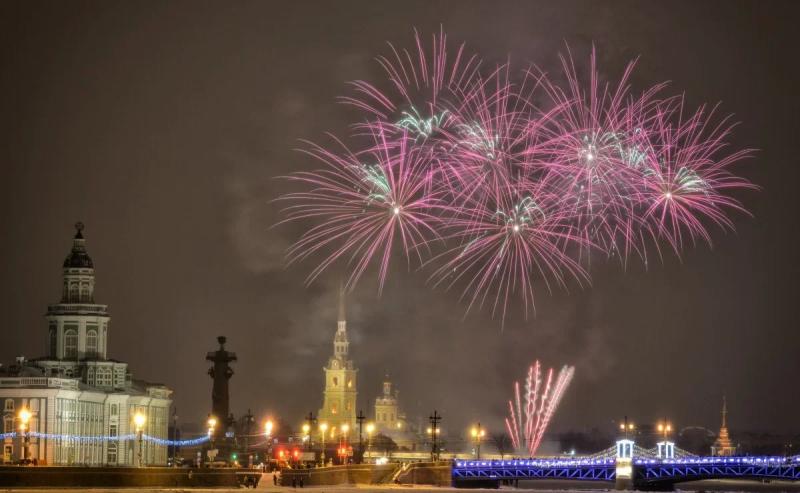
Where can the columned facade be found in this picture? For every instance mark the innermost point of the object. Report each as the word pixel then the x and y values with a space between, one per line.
pixel 80 401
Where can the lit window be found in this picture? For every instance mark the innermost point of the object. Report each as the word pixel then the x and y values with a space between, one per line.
pixel 349 384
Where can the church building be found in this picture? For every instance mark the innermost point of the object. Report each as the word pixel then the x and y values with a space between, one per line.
pixel 79 401
pixel 339 401
pixel 723 446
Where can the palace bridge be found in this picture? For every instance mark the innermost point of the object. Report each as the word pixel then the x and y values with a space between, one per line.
pixel 628 466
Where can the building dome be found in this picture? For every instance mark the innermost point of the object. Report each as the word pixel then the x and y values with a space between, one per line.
pixel 78 258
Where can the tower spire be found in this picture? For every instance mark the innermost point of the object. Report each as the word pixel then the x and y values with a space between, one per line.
pixel 342 314
pixel 724 412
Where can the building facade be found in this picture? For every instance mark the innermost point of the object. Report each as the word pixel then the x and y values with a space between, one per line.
pixel 339 397
pixel 81 402
pixel 390 420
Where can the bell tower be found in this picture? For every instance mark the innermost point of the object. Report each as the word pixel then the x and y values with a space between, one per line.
pixel 339 401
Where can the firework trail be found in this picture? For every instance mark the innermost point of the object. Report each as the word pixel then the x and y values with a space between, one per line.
pixel 503 180
pixel 529 416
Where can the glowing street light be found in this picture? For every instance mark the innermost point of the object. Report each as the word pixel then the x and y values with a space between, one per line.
pixel 323 427
pixel 138 422
pixel 370 430
pixel 24 419
pixel 665 428
pixel 268 428
pixel 343 442
pixel 477 435
pixel 626 427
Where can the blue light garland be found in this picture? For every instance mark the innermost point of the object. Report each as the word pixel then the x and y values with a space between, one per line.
pixel 121 438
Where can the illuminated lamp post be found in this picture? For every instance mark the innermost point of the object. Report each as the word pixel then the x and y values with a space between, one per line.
pixel 24 420
pixel 323 427
pixel 477 435
pixel 138 422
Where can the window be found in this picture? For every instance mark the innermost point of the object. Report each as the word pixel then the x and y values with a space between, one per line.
pixel 349 384
pixel 335 381
pixel 91 342
pixel 104 377
pixel 90 376
pixel 71 343
pixel 334 410
pixel 53 340
pixel 8 425
pixel 73 292
pixel 112 453
pixel 9 406
pixel 114 412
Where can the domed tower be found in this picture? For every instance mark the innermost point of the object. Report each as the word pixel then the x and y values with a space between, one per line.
pixel 78 327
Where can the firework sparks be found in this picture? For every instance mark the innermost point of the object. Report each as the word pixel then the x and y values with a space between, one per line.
pixel 529 416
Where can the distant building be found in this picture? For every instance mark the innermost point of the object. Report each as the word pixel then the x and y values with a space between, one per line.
pixel 76 390
pixel 390 420
pixel 723 445
pixel 339 400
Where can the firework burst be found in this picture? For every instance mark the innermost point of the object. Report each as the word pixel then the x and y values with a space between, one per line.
pixel 502 180
pixel 365 201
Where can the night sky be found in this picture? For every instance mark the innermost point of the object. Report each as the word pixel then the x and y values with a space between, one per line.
pixel 161 126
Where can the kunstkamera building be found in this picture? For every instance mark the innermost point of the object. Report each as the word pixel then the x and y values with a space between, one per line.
pixel 81 402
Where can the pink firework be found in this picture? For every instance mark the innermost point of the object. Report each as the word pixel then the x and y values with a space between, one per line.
pixel 365 202
pixel 504 181
pixel 686 176
pixel 502 244
pixel 529 416
pixel 593 147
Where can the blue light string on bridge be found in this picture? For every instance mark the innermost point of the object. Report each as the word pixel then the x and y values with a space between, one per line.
pixel 121 438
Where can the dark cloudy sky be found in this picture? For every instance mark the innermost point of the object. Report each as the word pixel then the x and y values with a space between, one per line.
pixel 162 124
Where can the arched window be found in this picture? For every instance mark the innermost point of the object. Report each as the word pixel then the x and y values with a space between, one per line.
pixel 71 343
pixel 335 381
pixel 53 342
pixel 90 376
pixel 73 292
pixel 334 410
pixel 91 342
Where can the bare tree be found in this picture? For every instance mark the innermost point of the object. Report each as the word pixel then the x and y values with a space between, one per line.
pixel 502 443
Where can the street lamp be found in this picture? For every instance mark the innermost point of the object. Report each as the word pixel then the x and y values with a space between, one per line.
pixel 306 435
pixel 323 427
pixel 665 428
pixel 138 422
pixel 212 423
pixel 626 427
pixel 370 430
pixel 343 442
pixel 477 434
pixel 24 419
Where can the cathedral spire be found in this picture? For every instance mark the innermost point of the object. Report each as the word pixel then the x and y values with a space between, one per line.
pixel 342 314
